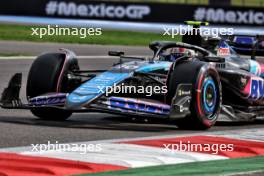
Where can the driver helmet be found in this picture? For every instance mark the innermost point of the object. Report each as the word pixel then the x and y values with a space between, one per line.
pixel 180 52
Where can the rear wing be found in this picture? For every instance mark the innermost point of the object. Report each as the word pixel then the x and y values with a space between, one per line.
pixel 247 44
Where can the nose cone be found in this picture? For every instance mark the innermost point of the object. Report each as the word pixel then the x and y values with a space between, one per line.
pixel 92 89
pixel 75 101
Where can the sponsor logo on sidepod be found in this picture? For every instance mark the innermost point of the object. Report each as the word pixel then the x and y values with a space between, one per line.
pixel 257 89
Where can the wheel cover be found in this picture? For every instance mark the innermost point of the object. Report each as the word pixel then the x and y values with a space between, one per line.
pixel 209 98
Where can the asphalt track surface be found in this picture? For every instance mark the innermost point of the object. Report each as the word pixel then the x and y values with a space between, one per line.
pixel 20 128
pixel 30 48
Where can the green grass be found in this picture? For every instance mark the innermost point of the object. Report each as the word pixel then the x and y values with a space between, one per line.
pixel 208 168
pixel 23 33
pixel 248 3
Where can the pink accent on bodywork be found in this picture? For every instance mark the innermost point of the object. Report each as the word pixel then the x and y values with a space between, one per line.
pixel 247 89
pixel 261 69
pixel 61 73
pixel 199 89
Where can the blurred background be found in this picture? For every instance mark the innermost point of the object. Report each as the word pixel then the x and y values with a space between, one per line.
pixel 247 3
pixel 119 20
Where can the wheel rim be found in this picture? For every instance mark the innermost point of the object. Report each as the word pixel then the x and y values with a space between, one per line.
pixel 209 97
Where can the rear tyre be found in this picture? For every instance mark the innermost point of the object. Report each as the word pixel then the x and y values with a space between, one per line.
pixel 43 78
pixel 206 94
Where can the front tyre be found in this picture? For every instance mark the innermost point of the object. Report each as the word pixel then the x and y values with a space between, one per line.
pixel 46 76
pixel 206 99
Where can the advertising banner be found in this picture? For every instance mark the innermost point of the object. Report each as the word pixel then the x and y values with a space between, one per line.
pixel 134 12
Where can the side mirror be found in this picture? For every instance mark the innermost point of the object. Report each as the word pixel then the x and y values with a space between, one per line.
pixel 116 53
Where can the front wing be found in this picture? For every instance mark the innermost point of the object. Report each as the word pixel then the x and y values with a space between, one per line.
pixel 118 105
pixel 180 107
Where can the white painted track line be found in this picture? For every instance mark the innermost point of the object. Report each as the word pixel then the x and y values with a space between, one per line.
pixel 78 57
pixel 129 155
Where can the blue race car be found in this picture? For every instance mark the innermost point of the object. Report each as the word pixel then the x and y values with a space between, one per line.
pixel 181 82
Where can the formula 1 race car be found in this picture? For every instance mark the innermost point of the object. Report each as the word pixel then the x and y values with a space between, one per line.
pixel 198 86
